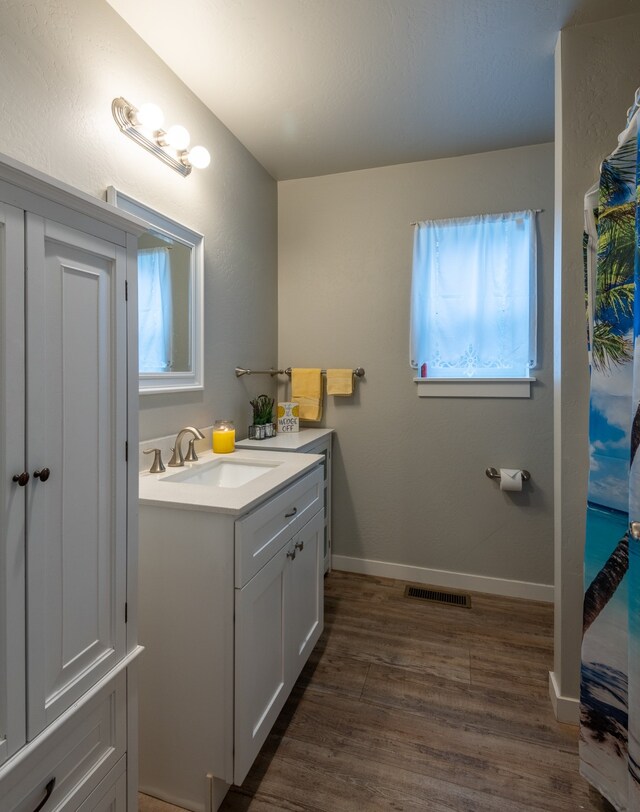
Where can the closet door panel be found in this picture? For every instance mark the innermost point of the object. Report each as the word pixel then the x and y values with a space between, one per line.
pixel 12 503
pixel 76 427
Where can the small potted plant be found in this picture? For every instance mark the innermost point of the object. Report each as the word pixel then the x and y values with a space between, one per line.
pixel 263 425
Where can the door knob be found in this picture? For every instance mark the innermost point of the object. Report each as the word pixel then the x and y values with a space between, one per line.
pixel 21 479
pixel 42 475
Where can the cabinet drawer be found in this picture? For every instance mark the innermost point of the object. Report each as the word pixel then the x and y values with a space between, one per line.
pixel 111 793
pixel 260 534
pixel 78 753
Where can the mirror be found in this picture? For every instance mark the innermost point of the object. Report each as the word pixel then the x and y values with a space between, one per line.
pixel 170 301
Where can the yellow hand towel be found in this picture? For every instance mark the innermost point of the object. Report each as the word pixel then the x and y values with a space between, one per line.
pixel 339 382
pixel 306 391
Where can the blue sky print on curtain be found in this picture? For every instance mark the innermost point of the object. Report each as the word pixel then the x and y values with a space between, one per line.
pixel 605 677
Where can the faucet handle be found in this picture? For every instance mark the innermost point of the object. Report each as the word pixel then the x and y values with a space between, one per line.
pixel 157 467
pixel 191 455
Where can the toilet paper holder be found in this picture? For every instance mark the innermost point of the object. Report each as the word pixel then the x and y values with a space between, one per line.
pixel 493 473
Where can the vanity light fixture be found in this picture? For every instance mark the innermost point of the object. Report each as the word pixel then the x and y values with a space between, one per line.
pixel 144 126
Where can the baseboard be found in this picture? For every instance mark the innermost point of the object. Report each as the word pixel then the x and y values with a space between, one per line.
pixel 565 708
pixel 443 578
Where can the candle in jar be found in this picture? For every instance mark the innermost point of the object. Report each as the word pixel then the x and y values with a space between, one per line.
pixel 224 437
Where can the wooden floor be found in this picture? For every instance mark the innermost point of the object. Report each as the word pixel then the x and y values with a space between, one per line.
pixel 407 705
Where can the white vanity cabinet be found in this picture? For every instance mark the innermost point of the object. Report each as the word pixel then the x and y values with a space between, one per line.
pixel 305 441
pixel 68 407
pixel 231 605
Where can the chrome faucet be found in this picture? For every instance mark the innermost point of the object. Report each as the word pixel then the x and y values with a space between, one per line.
pixel 177 458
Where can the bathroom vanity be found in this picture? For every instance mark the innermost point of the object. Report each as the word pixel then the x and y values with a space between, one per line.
pixel 231 605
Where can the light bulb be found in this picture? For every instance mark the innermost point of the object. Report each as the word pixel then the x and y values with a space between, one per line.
pixel 199 157
pixel 178 137
pixel 150 116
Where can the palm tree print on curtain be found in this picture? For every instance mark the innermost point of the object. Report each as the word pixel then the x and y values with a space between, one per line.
pixel 606 750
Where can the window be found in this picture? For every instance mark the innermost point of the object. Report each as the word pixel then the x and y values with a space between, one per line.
pixel 473 297
pixel 154 310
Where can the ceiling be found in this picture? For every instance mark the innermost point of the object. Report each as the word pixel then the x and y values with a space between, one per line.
pixel 313 87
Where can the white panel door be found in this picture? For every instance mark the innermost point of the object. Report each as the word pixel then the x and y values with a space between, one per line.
pixel 305 606
pixel 12 463
pixel 260 659
pixel 76 428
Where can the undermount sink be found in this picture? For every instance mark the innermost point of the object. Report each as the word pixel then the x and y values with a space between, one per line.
pixel 227 473
pixel 223 483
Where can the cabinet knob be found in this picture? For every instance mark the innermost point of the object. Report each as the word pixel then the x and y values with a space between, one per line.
pixel 291 554
pixel 299 545
pixel 293 513
pixel 43 475
pixel 47 794
pixel 21 479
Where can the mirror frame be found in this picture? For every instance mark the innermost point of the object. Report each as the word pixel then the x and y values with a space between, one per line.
pixel 155 383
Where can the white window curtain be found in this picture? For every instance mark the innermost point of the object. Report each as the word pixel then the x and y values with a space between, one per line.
pixel 154 310
pixel 473 296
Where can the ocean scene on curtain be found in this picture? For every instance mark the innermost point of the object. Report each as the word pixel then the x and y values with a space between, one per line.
pixel 610 672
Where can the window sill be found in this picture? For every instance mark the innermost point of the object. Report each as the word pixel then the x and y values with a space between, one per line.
pixel 474 387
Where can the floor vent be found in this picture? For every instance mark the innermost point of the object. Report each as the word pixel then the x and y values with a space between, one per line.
pixel 438 596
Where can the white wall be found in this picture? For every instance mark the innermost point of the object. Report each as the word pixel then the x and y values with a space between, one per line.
pixel 597 72
pixel 62 62
pixel 409 482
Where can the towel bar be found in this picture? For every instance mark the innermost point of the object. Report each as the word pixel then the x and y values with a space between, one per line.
pixel 358 372
pixel 241 371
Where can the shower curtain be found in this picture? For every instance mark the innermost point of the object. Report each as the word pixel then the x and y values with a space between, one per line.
pixel 610 673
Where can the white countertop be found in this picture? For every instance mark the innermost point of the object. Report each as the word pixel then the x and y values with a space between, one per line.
pixel 187 496
pixel 288 441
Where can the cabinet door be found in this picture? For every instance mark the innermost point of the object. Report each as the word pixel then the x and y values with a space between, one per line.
pixel 305 596
pixel 76 427
pixel 12 503
pixel 260 659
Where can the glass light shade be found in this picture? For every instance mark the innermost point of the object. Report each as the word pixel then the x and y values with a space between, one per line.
pixel 199 157
pixel 150 116
pixel 178 137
